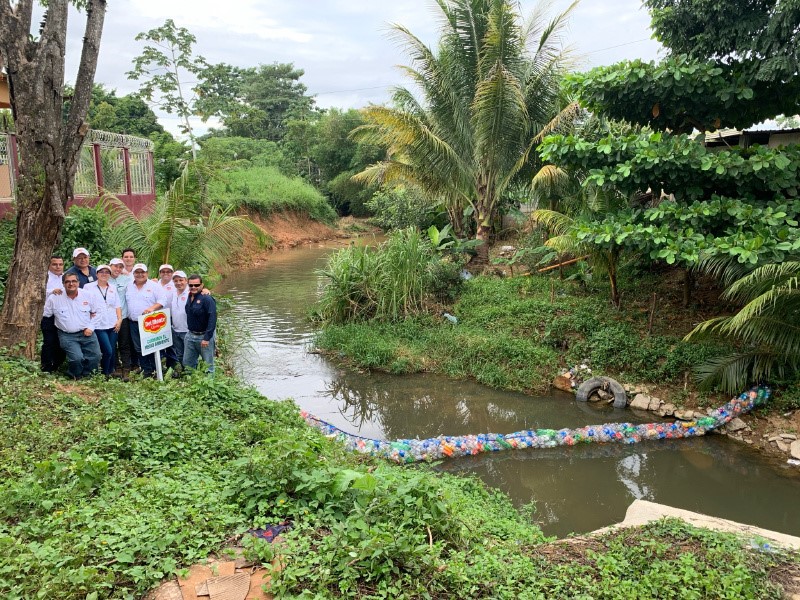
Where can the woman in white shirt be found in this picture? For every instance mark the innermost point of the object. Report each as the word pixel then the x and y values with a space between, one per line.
pixel 108 317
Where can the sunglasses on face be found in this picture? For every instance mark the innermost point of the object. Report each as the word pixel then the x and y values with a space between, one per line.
pixel 195 284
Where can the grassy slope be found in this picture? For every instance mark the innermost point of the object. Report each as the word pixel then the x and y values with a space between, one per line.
pixel 516 333
pixel 106 488
pixel 265 190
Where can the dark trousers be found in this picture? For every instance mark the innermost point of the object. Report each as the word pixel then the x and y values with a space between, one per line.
pixel 175 352
pixel 124 347
pixel 148 363
pixel 52 354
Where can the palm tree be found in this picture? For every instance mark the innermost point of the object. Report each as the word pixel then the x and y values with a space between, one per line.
pixel 180 229
pixel 766 328
pixel 488 96
pixel 570 204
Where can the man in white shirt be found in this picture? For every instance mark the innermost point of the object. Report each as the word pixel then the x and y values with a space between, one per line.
pixel 179 326
pixel 125 351
pixel 143 296
pixel 165 277
pixel 52 355
pixel 128 260
pixel 73 311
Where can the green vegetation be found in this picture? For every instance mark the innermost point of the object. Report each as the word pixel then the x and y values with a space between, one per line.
pixel 487 95
pixel 264 190
pixel 386 283
pixel 181 229
pixel 7 234
pixel 107 487
pixel 766 326
pixel 515 334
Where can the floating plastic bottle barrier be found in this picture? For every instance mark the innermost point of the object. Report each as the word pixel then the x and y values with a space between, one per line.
pixel 409 451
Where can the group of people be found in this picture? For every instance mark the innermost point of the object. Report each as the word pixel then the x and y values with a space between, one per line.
pixel 91 317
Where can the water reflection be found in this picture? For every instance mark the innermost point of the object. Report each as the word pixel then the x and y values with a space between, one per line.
pixel 577 488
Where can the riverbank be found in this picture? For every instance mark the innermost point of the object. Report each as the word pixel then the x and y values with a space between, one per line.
pixel 108 488
pixel 290 230
pixel 519 333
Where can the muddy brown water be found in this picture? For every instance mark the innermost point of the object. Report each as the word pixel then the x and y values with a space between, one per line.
pixel 575 489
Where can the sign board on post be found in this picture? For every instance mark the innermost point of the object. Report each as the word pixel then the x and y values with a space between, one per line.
pixel 155 333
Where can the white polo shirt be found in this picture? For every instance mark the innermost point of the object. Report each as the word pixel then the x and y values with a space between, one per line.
pixel 72 315
pixel 140 299
pixel 178 308
pixel 54 282
pixel 107 303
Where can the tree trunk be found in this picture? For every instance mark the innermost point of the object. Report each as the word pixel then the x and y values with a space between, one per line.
pixel 24 296
pixel 48 149
pixel 613 257
pixel 482 251
pixel 688 287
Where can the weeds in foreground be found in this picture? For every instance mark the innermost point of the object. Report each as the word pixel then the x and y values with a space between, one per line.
pixel 106 488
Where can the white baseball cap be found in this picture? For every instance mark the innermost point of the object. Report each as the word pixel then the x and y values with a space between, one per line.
pixel 100 267
pixel 139 267
pixel 179 274
pixel 79 251
pixel 116 261
pixel 162 267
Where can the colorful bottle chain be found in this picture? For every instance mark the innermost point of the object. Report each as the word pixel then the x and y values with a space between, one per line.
pixel 409 451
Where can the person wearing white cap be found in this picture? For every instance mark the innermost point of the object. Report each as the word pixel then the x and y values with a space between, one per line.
pixel 108 319
pixel 165 277
pixel 143 297
pixel 81 267
pixel 126 358
pixel 52 354
pixel 73 311
pixel 179 325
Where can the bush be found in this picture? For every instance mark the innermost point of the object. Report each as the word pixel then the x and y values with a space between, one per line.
pixel 265 190
pixel 400 207
pixel 244 153
pixel 86 227
pixel 8 233
pixel 385 283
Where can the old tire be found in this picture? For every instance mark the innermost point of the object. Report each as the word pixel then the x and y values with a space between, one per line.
pixel 588 387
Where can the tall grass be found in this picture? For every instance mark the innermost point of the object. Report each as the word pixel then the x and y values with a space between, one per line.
pixel 386 283
pixel 265 190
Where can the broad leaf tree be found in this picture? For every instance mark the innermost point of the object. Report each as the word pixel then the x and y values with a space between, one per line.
pixel 48 143
pixel 164 69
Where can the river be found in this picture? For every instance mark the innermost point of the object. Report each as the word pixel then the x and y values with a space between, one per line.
pixel 575 489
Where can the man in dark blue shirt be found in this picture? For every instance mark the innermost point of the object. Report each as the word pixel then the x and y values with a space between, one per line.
pixel 201 319
pixel 81 267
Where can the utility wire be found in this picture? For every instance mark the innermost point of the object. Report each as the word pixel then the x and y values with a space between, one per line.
pixel 380 87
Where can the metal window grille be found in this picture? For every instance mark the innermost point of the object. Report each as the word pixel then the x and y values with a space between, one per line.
pixel 112 163
pixel 141 182
pixel 85 176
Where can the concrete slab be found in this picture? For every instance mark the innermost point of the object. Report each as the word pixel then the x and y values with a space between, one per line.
pixel 641 512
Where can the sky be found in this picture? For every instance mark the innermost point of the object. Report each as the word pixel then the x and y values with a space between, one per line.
pixel 343 46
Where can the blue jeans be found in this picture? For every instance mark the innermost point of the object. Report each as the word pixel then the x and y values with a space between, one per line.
pixel 83 352
pixel 192 351
pixel 148 363
pixel 107 338
pixel 175 352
